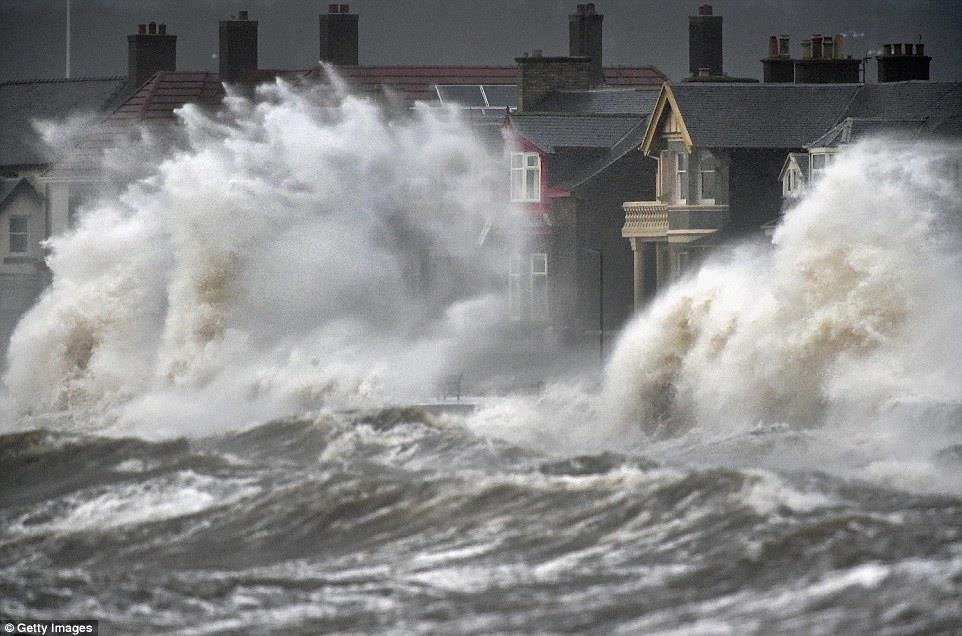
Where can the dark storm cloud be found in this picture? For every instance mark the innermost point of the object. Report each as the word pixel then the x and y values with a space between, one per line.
pixel 464 32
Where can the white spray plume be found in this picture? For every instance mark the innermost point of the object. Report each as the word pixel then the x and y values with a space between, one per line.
pixel 854 307
pixel 301 248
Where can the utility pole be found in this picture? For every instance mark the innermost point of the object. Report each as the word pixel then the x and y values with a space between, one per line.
pixel 68 39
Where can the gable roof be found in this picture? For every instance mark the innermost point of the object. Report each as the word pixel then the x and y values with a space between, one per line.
pixel 799 159
pixel 10 187
pixel 551 131
pixel 23 102
pixel 760 115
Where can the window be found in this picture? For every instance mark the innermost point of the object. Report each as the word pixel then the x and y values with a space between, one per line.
pixel 528 287
pixel 525 176
pixel 19 235
pixel 681 177
pixel 707 171
pixel 792 183
pixel 539 286
pixel 514 287
pixel 820 162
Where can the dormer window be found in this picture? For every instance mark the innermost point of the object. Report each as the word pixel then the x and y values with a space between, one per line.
pixel 820 162
pixel 525 177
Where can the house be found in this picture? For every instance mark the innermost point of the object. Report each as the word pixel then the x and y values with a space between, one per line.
pixel 728 154
pixel 570 169
pixel 35 204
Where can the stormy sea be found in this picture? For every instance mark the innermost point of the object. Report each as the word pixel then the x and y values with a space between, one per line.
pixel 222 417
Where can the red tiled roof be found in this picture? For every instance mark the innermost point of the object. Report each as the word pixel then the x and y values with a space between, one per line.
pixel 166 91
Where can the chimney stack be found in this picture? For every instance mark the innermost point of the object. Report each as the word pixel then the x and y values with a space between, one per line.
pixel 585 39
pixel 894 65
pixel 705 42
pixel 238 47
pixel 539 75
pixel 338 36
pixel 149 51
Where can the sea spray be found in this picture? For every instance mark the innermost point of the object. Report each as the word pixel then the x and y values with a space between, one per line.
pixel 300 248
pixel 853 307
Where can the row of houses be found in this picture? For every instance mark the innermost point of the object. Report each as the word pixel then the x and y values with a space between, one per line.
pixel 624 178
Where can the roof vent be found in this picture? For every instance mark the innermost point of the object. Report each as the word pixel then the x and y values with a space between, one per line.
pixel 704 9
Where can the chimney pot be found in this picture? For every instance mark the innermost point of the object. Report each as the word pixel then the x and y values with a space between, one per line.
pixel 772 46
pixel 897 48
pixel 783 45
pixel 908 48
pixel 920 49
pixel 704 9
pixel 162 29
pixel 152 28
pixel 581 9
pixel 590 8
pixel 242 15
pixel 345 8
pixel 332 8
pixel 142 29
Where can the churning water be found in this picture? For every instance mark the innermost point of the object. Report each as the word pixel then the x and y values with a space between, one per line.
pixel 200 435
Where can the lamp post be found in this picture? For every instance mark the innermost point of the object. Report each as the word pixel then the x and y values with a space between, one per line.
pixel 601 300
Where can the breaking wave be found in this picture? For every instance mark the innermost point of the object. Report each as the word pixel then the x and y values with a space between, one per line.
pixel 298 249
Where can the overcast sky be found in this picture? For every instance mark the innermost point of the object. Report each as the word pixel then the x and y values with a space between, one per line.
pixel 465 31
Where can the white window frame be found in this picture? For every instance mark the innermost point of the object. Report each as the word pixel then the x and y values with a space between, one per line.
pixel 539 286
pixel 681 177
pixel 25 233
pixel 704 157
pixel 525 177
pixel 828 158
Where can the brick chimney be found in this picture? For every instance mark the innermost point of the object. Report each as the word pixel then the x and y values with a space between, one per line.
pixel 238 47
pixel 148 51
pixel 338 35
pixel 585 37
pixel 705 42
pixel 540 75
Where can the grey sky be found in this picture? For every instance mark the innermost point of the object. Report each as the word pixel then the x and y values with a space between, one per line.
pixel 465 31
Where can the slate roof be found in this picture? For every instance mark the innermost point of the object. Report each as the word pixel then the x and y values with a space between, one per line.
pixel 9 186
pixel 761 115
pixel 796 115
pixel 851 129
pixel 934 102
pixel 22 102
pixel 610 101
pixel 552 131
pixel 629 142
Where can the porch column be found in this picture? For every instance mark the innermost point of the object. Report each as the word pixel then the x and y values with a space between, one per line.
pixel 638 251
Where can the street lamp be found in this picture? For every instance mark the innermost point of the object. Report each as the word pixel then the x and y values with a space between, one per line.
pixel 601 299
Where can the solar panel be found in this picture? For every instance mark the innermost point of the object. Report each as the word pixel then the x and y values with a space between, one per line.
pixel 465 96
pixel 501 96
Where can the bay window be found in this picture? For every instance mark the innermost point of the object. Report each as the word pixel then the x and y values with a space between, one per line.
pixel 707 177
pixel 681 177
